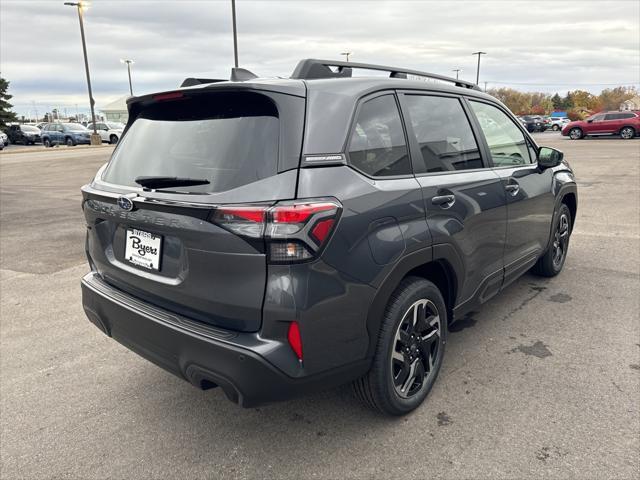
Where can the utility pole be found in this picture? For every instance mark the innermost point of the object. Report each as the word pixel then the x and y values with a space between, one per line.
pixel 346 54
pixel 479 54
pixel 95 138
pixel 485 86
pixel 457 70
pixel 235 33
pixel 35 109
pixel 129 63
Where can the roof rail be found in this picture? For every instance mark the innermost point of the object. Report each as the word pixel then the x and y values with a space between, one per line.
pixel 190 82
pixel 311 68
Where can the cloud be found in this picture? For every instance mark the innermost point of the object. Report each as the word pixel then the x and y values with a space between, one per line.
pixel 554 45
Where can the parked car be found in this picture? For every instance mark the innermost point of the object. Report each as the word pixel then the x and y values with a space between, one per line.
pixel 558 122
pixel 4 139
pixel 70 134
pixel 109 131
pixel 625 124
pixel 533 123
pixel 274 237
pixel 25 134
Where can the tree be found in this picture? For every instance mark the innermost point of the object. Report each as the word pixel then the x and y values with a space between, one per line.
pixel 585 100
pixel 6 115
pixel 557 102
pixel 518 102
pixel 611 98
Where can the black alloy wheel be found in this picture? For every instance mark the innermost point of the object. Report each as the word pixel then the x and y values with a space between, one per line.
pixel 415 348
pixel 561 240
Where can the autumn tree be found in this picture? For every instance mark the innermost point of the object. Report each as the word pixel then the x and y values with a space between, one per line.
pixel 6 115
pixel 585 100
pixel 518 102
pixel 611 98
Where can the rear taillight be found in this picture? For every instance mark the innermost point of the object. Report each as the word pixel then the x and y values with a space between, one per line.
pixel 244 220
pixel 293 231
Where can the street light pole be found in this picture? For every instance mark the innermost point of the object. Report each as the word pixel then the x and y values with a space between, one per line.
pixel 129 63
pixel 457 70
pixel 346 54
pixel 235 33
pixel 478 70
pixel 95 138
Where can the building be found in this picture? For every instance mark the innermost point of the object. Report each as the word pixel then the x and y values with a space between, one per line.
pixel 116 111
pixel 631 104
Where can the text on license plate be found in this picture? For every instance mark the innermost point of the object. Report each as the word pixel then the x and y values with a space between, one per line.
pixel 143 248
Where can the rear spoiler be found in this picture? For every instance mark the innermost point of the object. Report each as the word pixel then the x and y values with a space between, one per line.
pixel 237 75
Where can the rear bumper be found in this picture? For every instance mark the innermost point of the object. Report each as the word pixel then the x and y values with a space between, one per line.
pixel 204 356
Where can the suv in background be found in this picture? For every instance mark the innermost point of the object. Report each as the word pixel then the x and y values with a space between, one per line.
pixel 534 123
pixel 625 124
pixel 557 123
pixel 109 132
pixel 70 134
pixel 280 236
pixel 25 134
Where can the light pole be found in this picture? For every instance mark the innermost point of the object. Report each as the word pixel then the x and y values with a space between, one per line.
pixel 95 138
pixel 457 70
pixel 346 54
pixel 478 70
pixel 235 33
pixel 129 63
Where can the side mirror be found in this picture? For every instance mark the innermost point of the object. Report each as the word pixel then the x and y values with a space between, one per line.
pixel 590 120
pixel 549 157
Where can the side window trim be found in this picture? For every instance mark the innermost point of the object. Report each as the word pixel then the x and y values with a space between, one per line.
pixel 354 119
pixel 485 145
pixel 414 148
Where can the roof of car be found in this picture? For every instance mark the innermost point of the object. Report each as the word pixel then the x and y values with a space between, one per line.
pixel 333 77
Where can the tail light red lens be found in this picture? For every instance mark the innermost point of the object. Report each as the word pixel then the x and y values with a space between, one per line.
pixel 299 213
pixel 245 220
pixel 295 340
pixel 321 230
pixel 294 231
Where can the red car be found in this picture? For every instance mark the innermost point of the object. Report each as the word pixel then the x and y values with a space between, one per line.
pixel 625 124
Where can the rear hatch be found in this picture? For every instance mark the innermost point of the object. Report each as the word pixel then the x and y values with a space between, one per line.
pixel 182 245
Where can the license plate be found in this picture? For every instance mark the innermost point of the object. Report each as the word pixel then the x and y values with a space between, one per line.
pixel 143 249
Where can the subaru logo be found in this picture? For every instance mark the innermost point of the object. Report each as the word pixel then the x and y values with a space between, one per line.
pixel 125 203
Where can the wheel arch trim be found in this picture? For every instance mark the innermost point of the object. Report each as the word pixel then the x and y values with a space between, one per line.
pixel 442 255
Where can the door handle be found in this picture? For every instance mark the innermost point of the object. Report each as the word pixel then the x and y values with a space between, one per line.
pixel 445 201
pixel 512 188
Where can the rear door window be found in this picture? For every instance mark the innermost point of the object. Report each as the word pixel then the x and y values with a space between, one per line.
pixel 507 144
pixel 377 146
pixel 230 139
pixel 443 133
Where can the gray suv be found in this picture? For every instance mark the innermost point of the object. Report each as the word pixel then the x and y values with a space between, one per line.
pixel 278 236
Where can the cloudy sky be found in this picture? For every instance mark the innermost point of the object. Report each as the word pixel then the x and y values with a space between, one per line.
pixel 532 45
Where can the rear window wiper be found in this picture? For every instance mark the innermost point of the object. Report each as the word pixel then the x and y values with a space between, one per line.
pixel 160 182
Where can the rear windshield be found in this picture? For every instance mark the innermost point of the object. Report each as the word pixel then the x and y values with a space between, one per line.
pixel 229 139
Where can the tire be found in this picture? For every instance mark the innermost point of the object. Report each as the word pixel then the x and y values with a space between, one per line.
pixel 576 133
pixel 627 133
pixel 69 141
pixel 555 128
pixel 113 139
pixel 551 263
pixel 404 350
pixel 46 142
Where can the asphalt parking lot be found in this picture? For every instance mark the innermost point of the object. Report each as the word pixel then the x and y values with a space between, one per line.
pixel 544 381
